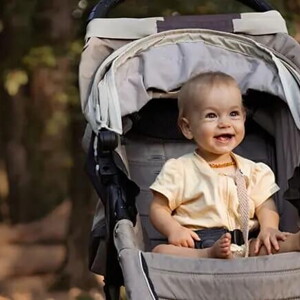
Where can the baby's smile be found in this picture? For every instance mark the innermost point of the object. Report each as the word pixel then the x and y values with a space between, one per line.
pixel 226 137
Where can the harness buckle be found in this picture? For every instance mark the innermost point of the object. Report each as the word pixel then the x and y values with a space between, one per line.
pixel 237 237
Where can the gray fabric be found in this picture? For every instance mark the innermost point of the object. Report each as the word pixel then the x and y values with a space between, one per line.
pixel 96 50
pixel 139 76
pixel 127 86
pixel 145 159
pixel 85 142
pixel 128 236
pixel 135 281
pixel 283 44
pixel 272 277
pixel 279 122
pixel 266 277
pixel 94 53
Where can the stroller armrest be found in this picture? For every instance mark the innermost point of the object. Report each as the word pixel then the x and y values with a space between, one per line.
pixel 127 236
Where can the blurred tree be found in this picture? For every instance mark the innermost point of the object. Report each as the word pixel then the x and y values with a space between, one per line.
pixel 293 7
pixel 41 122
pixel 13 116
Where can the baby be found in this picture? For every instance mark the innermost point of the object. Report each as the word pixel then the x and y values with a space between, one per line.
pixel 197 203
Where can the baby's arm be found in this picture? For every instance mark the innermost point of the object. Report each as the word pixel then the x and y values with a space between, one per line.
pixel 269 234
pixel 162 220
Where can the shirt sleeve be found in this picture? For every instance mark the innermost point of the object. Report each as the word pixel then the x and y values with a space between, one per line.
pixel 169 182
pixel 262 185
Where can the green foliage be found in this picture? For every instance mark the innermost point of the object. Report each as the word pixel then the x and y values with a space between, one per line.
pixel 40 56
pixel 75 49
pixel 56 123
pixel 14 79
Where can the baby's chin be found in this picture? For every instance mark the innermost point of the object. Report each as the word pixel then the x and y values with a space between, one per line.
pixel 222 150
pixel 214 153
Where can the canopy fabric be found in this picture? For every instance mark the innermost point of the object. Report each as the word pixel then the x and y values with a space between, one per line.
pixel 164 61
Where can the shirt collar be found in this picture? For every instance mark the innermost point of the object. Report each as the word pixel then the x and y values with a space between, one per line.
pixel 240 163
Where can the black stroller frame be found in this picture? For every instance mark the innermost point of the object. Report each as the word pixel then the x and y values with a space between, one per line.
pixel 110 182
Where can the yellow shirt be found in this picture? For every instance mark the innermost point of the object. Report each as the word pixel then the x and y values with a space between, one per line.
pixel 201 198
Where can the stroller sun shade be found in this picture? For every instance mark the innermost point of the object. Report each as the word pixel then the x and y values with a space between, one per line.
pixel 166 60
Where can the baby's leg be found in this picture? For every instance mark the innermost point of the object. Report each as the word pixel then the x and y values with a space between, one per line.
pixel 220 249
pixel 292 243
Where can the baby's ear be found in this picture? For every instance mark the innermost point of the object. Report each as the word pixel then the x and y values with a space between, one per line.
pixel 185 128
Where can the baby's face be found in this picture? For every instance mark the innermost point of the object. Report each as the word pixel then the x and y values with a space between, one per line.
pixel 216 121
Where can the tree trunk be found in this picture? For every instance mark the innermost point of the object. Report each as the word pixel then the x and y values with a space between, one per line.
pixel 16 160
pixel 294 7
pixel 80 223
pixel 13 121
pixel 80 192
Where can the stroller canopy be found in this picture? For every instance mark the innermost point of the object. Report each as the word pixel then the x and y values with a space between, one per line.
pixel 164 61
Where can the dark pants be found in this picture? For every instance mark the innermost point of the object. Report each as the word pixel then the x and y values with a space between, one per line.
pixel 211 235
pixel 208 237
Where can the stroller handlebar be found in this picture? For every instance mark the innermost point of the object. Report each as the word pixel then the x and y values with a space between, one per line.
pixel 257 5
pixel 104 6
pixel 101 9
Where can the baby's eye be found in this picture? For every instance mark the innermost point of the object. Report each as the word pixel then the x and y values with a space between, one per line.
pixel 210 115
pixel 235 113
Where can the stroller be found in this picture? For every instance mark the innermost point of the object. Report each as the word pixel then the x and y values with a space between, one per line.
pixel 130 74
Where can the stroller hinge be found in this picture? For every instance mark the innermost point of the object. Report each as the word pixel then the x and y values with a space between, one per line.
pixel 107 142
pixel 105 166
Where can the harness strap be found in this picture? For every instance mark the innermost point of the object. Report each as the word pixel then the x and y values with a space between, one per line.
pixel 240 182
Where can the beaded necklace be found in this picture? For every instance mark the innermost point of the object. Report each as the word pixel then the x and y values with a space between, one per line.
pixel 223 165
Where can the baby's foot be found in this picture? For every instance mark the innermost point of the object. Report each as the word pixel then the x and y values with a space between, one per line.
pixel 221 248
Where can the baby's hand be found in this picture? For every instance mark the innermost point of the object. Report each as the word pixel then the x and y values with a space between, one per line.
pixel 269 237
pixel 183 237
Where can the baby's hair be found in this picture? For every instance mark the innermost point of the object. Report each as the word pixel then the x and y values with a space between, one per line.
pixel 198 86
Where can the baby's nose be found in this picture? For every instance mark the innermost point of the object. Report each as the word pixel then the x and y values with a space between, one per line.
pixel 224 122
